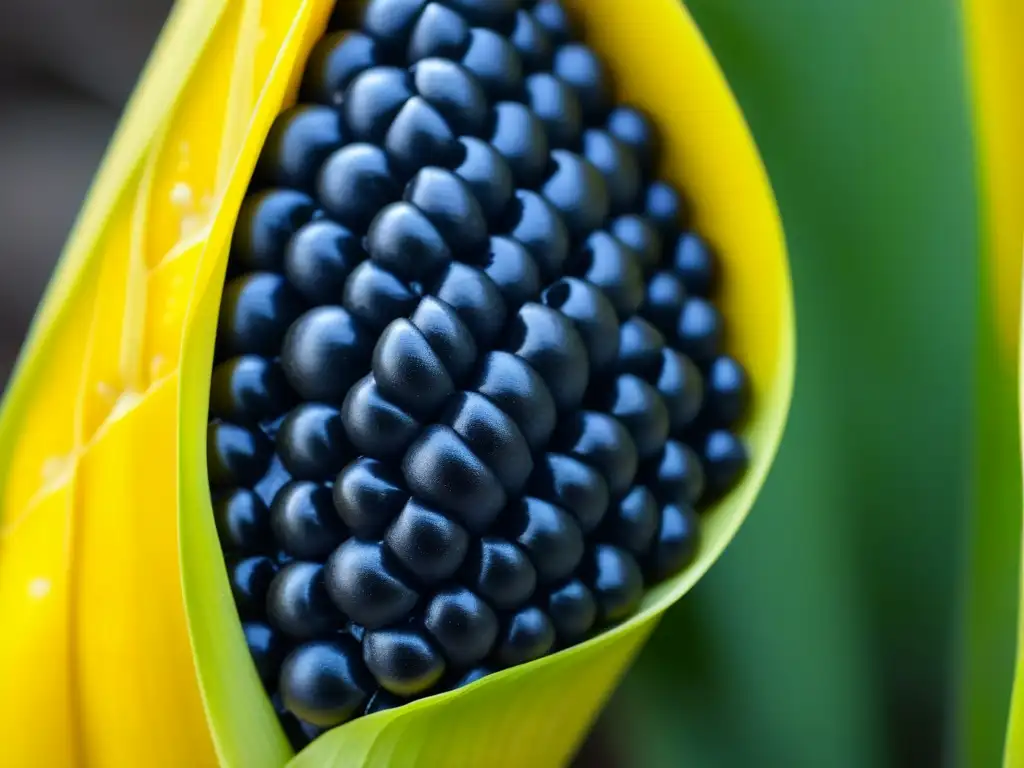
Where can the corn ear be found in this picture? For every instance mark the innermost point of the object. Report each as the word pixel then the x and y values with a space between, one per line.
pixel 125 642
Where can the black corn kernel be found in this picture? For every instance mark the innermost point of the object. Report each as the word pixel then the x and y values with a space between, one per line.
pixel 439 32
pixel 334 62
pixel 528 636
pixel 298 604
pixel 324 682
pixel 366 587
pixel 573 611
pixel 427 544
pixel 402 660
pixel 319 258
pixel 243 522
pixel 250 580
pixel 323 353
pixel 236 456
pixel 267 220
pixel 470 393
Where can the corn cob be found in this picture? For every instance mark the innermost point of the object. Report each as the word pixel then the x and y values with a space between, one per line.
pixel 187 706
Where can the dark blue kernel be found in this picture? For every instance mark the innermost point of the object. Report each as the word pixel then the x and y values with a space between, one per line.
pixel 311 442
pixel 319 258
pixel 300 140
pixel 516 388
pixel 640 409
pixel 634 128
pixel 304 520
pixel 441 469
pixel 578 191
pixel 402 661
pixel 495 63
pixel 454 92
pixel 489 178
pixel 373 100
pixel 368 495
pixel 236 456
pixel 366 587
pixel 267 649
pixel 528 635
pixel 681 387
pixel 355 183
pixel 633 522
pixel 612 266
pixel 513 271
pixel 402 241
pixel 572 485
pixel 540 229
pixel 429 545
pixel 375 296
pixel 581 68
pixel 677 542
pixel 664 300
pixel 551 15
pixel 419 136
pixel 462 624
pixel 376 426
pixel 476 300
pixel 334 62
pixel 250 580
pixel 390 22
pixel 618 166
pixel 573 611
pixel 501 573
pixel 696 264
pixel 266 221
pixel 408 372
pixel 243 522
pixel 255 312
pixel 323 353
pixel 728 392
pixel 492 436
pixel 548 534
pixel 725 458
pixel 532 42
pixel 642 236
pixel 519 136
pixel 602 442
pixel 676 476
pixel 298 604
pixel 616 581
pixel 593 316
pixel 324 682
pixel 249 389
pixel 699 330
pixel 447 335
pixel 666 209
pixel 558 107
pixel 439 32
pixel 451 206
pixel 640 348
pixel 548 341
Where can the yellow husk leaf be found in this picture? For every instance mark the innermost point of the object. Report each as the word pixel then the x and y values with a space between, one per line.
pixel 121 646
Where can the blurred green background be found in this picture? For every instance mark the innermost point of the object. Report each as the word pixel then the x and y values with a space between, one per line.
pixel 826 636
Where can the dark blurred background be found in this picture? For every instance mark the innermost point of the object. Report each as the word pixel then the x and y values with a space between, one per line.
pixel 825 637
